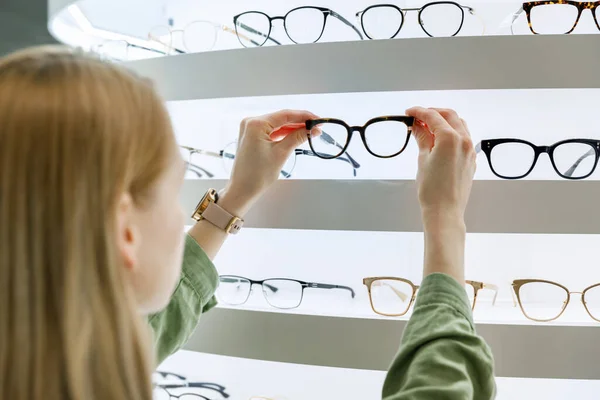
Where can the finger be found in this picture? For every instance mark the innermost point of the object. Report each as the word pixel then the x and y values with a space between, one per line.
pixel 453 119
pixel 466 127
pixel 435 122
pixel 283 117
pixel 285 130
pixel 294 139
pixel 424 138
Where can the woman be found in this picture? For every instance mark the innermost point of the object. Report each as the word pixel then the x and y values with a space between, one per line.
pixel 91 236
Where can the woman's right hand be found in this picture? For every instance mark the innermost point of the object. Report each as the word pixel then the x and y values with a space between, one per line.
pixel 260 156
pixel 444 181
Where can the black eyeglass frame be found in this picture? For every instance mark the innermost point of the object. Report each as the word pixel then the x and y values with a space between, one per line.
pixel 183 382
pixel 487 146
pixel 311 124
pixel 403 11
pixel 264 283
pixel 326 12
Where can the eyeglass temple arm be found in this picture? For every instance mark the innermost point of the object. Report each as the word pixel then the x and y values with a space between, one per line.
pixel 329 286
pixel 233 32
pixel 472 11
pixel 514 18
pixel 478 148
pixel 198 170
pixel 345 21
pixel 301 152
pixel 571 170
pixel 328 139
pixel 209 385
pixel 165 374
pixel 494 288
pixel 252 30
pixel 152 37
pixel 512 292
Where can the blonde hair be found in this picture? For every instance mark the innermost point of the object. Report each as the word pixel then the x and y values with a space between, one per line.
pixel 75 134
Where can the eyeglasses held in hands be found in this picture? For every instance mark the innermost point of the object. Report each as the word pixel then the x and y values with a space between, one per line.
pixel 515 158
pixel 383 137
pixel 302 25
pixel 166 382
pixel 555 17
pixel 280 293
pixel 437 19
pixel 393 296
pixel 544 301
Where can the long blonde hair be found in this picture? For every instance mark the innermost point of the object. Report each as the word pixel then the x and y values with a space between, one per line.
pixel 75 134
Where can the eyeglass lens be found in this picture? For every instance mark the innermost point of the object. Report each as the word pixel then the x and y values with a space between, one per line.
pixel 282 293
pixel 555 19
pixel 255 26
pixel 279 293
pixel 391 296
pixel 542 301
pixel 199 36
pixel 305 24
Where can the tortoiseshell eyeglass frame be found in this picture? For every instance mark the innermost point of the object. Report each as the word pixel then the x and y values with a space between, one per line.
pixel 519 283
pixel 313 123
pixel 581 6
pixel 477 286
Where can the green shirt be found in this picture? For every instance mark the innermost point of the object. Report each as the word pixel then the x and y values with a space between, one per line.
pixel 441 357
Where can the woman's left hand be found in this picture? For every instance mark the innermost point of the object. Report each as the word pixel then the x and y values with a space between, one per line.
pixel 260 157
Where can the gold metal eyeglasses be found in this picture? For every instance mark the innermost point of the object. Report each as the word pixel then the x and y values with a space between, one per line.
pixel 393 296
pixel 545 301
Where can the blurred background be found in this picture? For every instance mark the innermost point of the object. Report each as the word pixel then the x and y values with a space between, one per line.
pixel 23 23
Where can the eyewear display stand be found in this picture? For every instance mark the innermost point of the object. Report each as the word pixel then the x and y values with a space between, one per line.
pixel 522 348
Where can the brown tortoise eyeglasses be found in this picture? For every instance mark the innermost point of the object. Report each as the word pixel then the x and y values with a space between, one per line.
pixel 556 16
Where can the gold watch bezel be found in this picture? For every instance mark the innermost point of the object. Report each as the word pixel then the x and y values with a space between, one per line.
pixel 209 197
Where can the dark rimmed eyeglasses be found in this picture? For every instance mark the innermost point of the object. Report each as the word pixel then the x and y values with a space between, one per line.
pixel 280 293
pixel 556 17
pixel 165 382
pixel 437 19
pixel 515 158
pixel 302 25
pixel 383 137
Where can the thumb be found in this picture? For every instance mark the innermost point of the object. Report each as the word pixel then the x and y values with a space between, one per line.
pixel 294 139
pixel 424 137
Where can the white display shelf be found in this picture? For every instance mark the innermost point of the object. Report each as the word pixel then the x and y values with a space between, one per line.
pixel 541 116
pixel 245 377
pixel 529 351
pixel 346 257
pixel 495 207
pixel 379 66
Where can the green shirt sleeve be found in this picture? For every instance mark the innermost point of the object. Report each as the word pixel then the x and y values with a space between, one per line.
pixel 441 356
pixel 193 296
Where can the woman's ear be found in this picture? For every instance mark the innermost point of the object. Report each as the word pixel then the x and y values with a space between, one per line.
pixel 128 237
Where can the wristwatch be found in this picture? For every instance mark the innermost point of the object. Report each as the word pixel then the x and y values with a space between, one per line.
pixel 209 210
